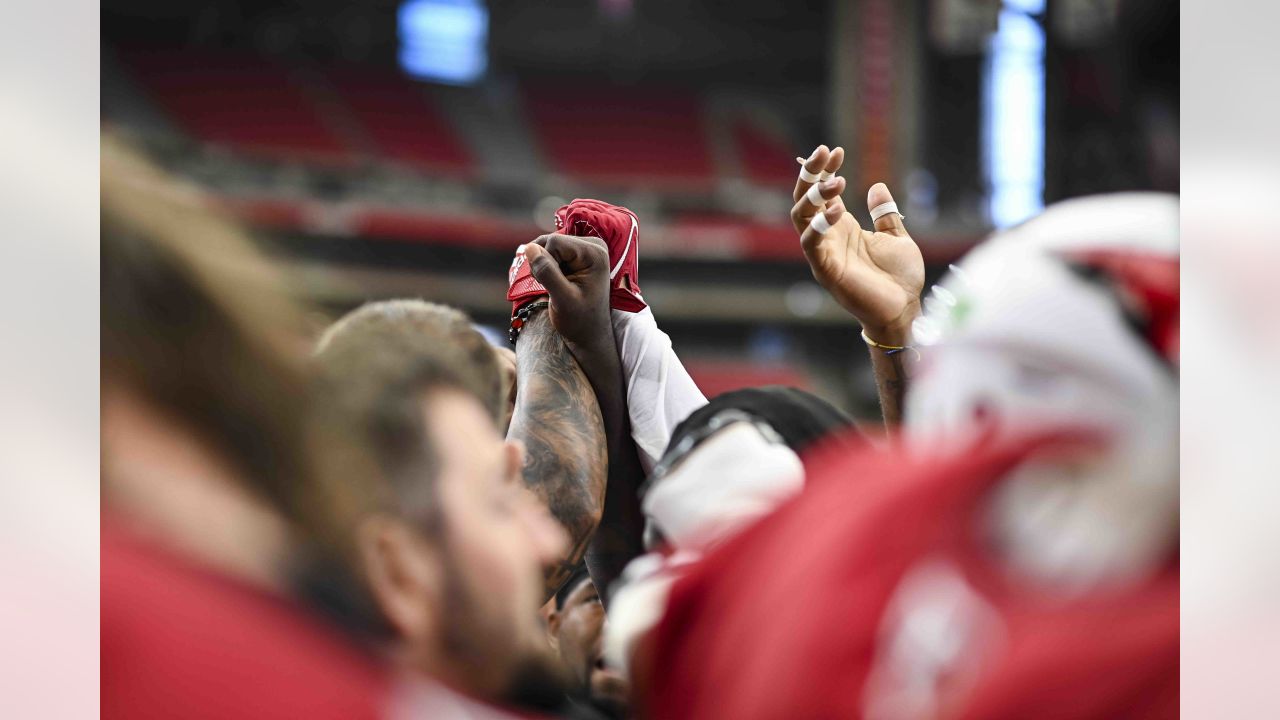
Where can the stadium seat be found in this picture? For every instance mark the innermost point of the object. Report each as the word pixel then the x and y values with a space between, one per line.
pixel 766 158
pixel 244 103
pixel 401 120
pixel 622 135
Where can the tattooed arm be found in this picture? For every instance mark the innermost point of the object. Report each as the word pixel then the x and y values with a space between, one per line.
pixel 557 419
pixel 575 272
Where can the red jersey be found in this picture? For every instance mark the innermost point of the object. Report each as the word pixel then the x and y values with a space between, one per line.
pixel 181 641
pixel 873 594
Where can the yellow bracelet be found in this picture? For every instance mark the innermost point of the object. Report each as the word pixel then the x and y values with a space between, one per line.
pixel 875 344
pixel 890 350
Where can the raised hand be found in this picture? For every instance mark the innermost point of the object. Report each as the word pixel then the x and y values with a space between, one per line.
pixel 876 275
pixel 575 272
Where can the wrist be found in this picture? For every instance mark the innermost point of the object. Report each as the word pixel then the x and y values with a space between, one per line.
pixel 533 319
pixel 592 333
pixel 594 351
pixel 896 333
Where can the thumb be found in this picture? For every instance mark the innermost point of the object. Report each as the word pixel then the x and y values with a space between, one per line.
pixel 890 222
pixel 546 271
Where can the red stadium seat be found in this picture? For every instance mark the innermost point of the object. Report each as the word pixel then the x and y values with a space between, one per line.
pixel 622 135
pixel 244 103
pixel 401 120
pixel 766 158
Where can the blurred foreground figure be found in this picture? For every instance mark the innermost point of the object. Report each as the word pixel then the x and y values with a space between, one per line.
pixel 728 465
pixel 209 500
pixel 1017 555
pixel 219 506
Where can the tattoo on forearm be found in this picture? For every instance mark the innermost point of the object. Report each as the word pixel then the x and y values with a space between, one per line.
pixel 891 383
pixel 557 418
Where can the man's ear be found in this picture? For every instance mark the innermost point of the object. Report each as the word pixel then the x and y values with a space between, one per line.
pixel 403 571
pixel 513 457
pixel 553 628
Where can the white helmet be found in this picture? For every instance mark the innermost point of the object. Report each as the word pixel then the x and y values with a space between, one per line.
pixel 1067 321
pixel 1055 321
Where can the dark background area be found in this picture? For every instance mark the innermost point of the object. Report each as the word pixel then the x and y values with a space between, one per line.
pixel 367 183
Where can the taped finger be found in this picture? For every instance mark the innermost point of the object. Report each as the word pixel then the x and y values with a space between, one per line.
pixel 814 196
pixel 810 168
pixel 883 209
pixel 813 201
pixel 833 163
pixel 885 215
pixel 819 224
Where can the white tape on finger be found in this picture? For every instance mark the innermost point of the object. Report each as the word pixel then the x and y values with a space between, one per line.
pixel 883 209
pixel 807 176
pixel 814 196
pixel 824 175
pixel 820 224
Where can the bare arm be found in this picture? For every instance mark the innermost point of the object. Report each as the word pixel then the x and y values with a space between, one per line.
pixel 875 275
pixel 620 537
pixel 575 272
pixel 891 373
pixel 559 422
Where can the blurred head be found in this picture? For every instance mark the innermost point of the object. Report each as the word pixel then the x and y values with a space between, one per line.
pixel 452 547
pixel 1070 318
pixel 577 631
pixel 203 389
pixel 441 330
pixel 1069 321
pixel 507 371
pixel 733 461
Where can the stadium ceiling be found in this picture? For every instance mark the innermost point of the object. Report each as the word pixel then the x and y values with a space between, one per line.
pixel 761 41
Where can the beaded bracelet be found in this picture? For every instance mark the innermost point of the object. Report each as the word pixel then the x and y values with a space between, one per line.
pixel 521 317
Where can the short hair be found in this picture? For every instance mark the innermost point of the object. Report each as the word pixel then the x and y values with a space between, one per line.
pixel 435 330
pixel 375 367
